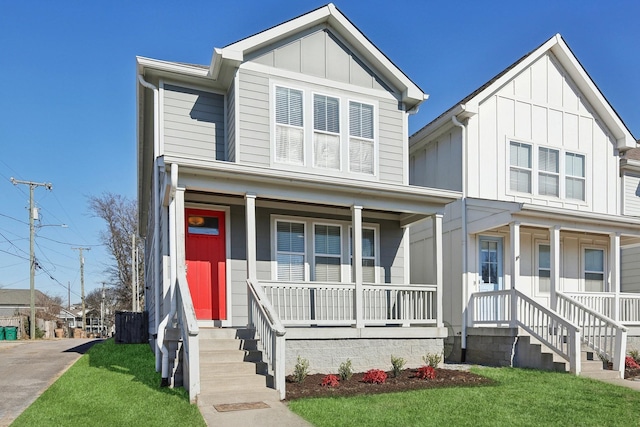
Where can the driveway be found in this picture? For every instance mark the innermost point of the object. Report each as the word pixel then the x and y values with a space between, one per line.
pixel 28 368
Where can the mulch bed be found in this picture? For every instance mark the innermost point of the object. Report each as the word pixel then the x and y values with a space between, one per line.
pixel 407 380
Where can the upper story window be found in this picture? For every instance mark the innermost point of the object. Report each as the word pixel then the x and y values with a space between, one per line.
pixel 289 126
pixel 520 170
pixel 361 142
pixel 574 172
pixel 326 132
pixel 559 173
pixel 548 172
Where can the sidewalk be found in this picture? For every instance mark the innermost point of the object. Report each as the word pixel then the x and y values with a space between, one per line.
pixel 28 368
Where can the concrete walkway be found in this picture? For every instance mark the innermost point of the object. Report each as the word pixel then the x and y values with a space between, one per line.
pixel 28 368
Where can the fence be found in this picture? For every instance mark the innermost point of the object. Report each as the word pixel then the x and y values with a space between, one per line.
pixel 131 327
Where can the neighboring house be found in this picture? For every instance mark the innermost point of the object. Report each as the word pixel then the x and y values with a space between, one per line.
pixel 274 193
pixel 535 242
pixel 630 172
pixel 16 302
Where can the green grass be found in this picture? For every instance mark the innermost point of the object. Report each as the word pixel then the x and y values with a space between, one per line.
pixel 519 398
pixel 112 385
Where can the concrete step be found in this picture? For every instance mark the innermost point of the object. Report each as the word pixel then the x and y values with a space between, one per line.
pixel 591 366
pixel 226 333
pixel 601 374
pixel 222 356
pixel 228 344
pixel 240 368
pixel 231 382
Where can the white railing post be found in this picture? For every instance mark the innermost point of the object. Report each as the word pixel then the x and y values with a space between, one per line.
pixel 621 351
pixel 513 321
pixel 554 240
pixel 250 219
pixel 356 212
pixel 575 361
pixel 437 250
pixel 279 365
pixel 614 268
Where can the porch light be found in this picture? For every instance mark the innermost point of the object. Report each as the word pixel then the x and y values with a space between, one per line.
pixel 196 221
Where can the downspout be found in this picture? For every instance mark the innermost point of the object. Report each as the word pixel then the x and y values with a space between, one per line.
pixel 156 205
pixel 173 275
pixel 465 297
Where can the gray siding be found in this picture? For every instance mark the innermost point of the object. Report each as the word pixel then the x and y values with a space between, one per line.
pixel 320 54
pixel 254 138
pixel 193 123
pixel 630 270
pixel 390 143
pixel 631 194
pixel 238 266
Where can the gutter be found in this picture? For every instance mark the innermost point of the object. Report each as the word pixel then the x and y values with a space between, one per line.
pixel 465 296
pixel 156 225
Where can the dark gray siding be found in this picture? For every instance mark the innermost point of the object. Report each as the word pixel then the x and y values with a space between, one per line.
pixel 231 123
pixel 254 138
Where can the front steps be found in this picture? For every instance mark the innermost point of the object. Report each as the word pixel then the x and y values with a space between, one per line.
pixel 231 368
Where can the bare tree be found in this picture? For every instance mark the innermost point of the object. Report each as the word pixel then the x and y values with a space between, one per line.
pixel 121 217
pixel 50 306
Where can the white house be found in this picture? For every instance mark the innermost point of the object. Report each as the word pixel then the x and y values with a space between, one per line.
pixel 275 206
pixel 533 248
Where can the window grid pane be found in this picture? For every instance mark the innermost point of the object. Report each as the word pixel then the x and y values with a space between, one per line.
pixel 520 171
pixel 290 251
pixel 574 181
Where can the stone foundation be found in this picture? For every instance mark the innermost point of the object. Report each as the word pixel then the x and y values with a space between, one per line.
pixel 326 355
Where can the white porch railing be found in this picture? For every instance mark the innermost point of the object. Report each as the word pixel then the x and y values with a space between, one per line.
pixel 628 312
pixel 333 304
pixel 188 325
pixel 270 332
pixel 510 307
pixel 605 336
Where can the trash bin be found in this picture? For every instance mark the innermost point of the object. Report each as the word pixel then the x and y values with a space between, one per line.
pixel 11 333
pixel 1 333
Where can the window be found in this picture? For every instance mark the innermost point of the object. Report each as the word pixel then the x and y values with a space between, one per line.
pixel 544 268
pixel 290 256
pixel 328 253
pixel 368 254
pixel 548 172
pixel 520 170
pixel 361 142
pixel 594 270
pixel 574 176
pixel 326 132
pixel 289 126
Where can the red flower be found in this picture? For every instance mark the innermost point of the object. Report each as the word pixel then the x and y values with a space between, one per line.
pixel 629 363
pixel 330 381
pixel 375 376
pixel 426 373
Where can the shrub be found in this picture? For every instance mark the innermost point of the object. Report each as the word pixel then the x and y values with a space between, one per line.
pixel 635 354
pixel 426 373
pixel 345 370
pixel 432 359
pixel 375 376
pixel 301 370
pixel 397 363
pixel 330 381
pixel 630 363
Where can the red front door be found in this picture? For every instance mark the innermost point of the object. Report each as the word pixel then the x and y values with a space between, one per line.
pixel 205 258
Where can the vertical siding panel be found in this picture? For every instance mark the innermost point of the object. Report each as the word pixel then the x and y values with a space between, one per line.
pixel 598 164
pixel 539 81
pixel 539 125
pixel 570 131
pixel 522 87
pixel 555 84
pixel 555 128
pixel 523 120
pixel 485 155
pixel 585 142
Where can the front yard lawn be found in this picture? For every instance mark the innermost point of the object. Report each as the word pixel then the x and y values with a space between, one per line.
pixel 111 385
pixel 519 397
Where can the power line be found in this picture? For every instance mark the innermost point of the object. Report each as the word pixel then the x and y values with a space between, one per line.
pixel 67 243
pixel 15 219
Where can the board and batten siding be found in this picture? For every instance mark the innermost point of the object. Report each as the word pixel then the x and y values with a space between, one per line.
pixel 543 107
pixel 630 270
pixel 631 195
pixel 193 123
pixel 439 163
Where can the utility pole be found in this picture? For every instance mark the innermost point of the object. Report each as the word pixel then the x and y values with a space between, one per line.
pixel 68 295
pixel 84 315
pixel 32 258
pixel 134 297
pixel 102 313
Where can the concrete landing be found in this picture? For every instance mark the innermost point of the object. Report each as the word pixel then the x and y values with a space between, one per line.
pixel 251 413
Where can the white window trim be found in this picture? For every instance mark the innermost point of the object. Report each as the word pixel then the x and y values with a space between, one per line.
pixel 308 92
pixel 309 245
pixel 535 171
pixel 583 269
pixel 313 249
pixel 341 134
pixel 565 176
pixel 540 172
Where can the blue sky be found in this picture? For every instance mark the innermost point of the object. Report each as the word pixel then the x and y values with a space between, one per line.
pixel 67 72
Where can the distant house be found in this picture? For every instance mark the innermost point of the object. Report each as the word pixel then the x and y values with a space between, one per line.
pixel 534 248
pixel 273 186
pixel 15 302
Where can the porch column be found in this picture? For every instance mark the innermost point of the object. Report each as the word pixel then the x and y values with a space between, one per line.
pixel 437 250
pixel 356 214
pixel 250 202
pixel 180 255
pixel 614 273
pixel 514 231
pixel 554 243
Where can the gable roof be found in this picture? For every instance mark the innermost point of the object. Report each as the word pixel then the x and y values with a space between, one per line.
pixel 565 56
pixel 233 54
pixel 18 297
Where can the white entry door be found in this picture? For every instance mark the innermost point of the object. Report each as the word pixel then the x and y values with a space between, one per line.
pixel 490 264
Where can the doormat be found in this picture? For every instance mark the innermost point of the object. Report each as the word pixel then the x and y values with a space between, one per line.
pixel 228 407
